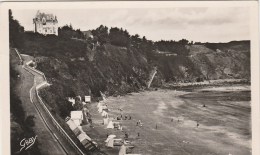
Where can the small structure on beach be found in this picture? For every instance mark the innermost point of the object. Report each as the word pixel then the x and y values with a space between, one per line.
pixel 73 126
pixel 110 141
pixel 105 121
pixel 76 117
pixel 104 114
pixel 87 99
pixel 110 125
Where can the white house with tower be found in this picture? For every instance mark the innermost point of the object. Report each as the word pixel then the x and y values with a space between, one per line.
pixel 45 23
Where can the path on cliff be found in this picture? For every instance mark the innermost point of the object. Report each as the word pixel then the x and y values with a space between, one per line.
pixel 50 141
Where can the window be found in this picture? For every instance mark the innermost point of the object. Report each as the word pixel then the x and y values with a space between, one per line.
pixel 43 21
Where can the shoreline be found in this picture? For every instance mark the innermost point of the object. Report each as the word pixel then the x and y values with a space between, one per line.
pixel 206 84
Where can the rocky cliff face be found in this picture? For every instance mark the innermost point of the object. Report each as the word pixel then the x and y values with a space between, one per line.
pixel 119 70
pixel 112 69
pixel 202 62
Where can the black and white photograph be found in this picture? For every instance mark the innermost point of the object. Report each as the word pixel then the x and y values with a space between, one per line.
pixel 132 78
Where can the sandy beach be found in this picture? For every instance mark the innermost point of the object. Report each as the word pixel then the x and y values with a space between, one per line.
pixel 204 121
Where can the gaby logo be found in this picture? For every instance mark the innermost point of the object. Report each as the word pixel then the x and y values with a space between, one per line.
pixel 27 143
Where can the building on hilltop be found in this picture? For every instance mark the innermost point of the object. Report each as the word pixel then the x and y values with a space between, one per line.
pixel 45 23
pixel 88 34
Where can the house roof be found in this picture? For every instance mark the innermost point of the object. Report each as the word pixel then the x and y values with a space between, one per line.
pixel 83 136
pixel 71 124
pixel 48 17
pixel 76 115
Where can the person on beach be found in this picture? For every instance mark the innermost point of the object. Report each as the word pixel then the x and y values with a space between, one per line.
pixel 156 126
pixel 198 124
pixel 126 136
pixel 129 117
pixel 138 134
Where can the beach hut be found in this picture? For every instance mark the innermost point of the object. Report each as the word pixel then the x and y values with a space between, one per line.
pixel 73 127
pixel 87 99
pixel 76 117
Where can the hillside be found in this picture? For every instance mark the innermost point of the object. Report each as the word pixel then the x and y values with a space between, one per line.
pixel 116 63
pixel 75 69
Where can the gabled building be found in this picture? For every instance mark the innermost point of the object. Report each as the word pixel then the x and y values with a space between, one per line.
pixel 73 127
pixel 45 23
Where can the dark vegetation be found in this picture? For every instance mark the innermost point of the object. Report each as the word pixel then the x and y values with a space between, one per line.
pixel 116 62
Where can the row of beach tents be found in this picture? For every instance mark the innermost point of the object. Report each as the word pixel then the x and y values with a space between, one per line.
pixel 111 140
pixel 84 139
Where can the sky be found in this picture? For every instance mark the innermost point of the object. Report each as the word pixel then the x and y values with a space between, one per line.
pixel 204 24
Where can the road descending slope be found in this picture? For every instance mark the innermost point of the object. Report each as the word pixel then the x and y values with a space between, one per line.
pixel 46 141
pixel 49 139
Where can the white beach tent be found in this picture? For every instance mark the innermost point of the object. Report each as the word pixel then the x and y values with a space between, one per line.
pixel 104 113
pixel 122 151
pixel 106 121
pixel 110 141
pixel 110 125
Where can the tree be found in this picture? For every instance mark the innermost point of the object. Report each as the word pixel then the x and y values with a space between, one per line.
pixel 67 31
pixel 135 40
pixel 119 37
pixel 16 32
pixel 101 33
pixel 184 41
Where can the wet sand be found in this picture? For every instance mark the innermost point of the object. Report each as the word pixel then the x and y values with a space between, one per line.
pixel 223 124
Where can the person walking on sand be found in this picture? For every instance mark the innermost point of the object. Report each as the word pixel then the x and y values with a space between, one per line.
pixel 126 136
pixel 156 126
pixel 198 124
